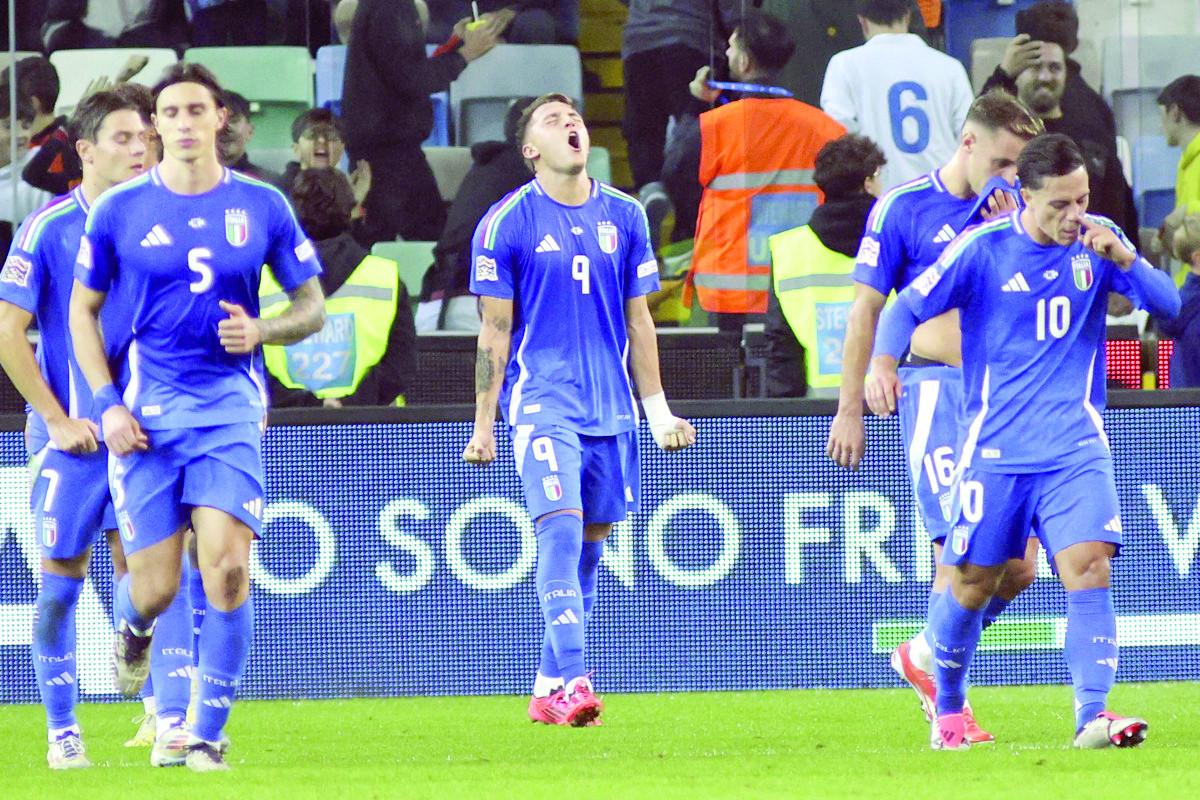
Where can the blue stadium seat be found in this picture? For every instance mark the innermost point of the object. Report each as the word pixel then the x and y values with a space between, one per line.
pixel 1154 171
pixel 1135 69
pixel 440 135
pixel 967 20
pixel 479 99
pixel 331 71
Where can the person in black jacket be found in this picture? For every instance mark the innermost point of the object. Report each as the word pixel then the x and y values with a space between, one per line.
pixel 847 171
pixel 446 300
pixel 388 113
pixel 1036 69
pixel 323 201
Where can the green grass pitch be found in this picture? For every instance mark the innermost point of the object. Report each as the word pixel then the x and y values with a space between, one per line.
pixel 783 744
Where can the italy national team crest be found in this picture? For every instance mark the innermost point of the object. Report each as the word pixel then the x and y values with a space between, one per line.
pixel 608 237
pixel 1081 269
pixel 958 539
pixel 552 488
pixel 237 226
pixel 49 531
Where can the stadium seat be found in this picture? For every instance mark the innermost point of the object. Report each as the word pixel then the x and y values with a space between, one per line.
pixel 445 369
pixel 440 135
pixel 967 20
pixel 480 97
pixel 78 68
pixel 278 82
pixel 450 165
pixel 1135 69
pixel 331 71
pixel 413 258
pixel 700 363
pixel 1154 172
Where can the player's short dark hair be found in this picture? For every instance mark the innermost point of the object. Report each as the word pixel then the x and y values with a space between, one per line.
pixel 185 72
pixel 883 12
pixel 36 77
pixel 314 117
pixel 89 115
pixel 1184 92
pixel 998 110
pixel 766 38
pixel 527 114
pixel 1050 155
pixel 843 164
pixel 140 95
pixel 1051 21
pixel 324 201
pixel 238 105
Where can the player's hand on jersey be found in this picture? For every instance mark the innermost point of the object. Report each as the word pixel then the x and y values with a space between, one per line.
pixel 1022 52
pixel 674 435
pixel 883 389
pixel 1104 242
pixel 239 332
pixel 700 89
pixel 999 204
pixel 847 439
pixel 481 449
pixel 122 432
pixel 73 435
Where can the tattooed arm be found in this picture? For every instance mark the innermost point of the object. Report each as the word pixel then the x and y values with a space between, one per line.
pixel 491 358
pixel 304 316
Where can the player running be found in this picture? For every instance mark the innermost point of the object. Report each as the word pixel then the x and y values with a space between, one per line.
pixel 906 232
pixel 182 248
pixel 562 266
pixel 1032 289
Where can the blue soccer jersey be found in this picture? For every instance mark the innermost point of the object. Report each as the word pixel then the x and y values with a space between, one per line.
pixel 38 276
pixel 1033 329
pixel 906 231
pixel 569 271
pixel 171 259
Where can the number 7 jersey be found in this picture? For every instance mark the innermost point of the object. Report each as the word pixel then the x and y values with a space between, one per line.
pixel 170 259
pixel 568 271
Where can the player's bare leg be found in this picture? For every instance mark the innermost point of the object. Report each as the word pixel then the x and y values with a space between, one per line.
pixel 144 593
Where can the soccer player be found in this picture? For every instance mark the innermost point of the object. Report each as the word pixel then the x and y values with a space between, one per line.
pixel 1032 289
pixel 181 248
pixel 70 499
pixel 906 232
pixel 562 266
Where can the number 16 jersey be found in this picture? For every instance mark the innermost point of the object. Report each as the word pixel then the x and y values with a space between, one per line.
pixel 569 271
pixel 170 259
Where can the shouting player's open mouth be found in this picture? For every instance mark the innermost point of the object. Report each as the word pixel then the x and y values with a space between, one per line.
pixel 573 141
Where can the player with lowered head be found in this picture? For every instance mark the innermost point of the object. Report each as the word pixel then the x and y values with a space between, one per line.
pixel 182 248
pixel 1032 292
pixel 906 232
pixel 562 265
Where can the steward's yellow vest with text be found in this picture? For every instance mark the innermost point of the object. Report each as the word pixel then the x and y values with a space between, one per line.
pixel 358 321
pixel 815 287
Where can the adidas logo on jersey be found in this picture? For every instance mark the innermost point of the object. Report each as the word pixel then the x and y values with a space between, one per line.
pixel 547 245
pixel 254 507
pixel 1114 525
pixel 1016 283
pixel 944 235
pixel 566 618
pixel 157 237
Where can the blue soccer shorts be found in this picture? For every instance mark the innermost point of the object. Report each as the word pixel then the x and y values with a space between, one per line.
pixel 154 491
pixel 1065 506
pixel 70 501
pixel 561 469
pixel 930 408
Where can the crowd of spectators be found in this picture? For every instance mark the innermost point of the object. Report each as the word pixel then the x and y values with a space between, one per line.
pixel 786 97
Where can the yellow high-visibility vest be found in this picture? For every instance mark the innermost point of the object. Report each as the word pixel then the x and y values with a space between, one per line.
pixel 358 321
pixel 815 286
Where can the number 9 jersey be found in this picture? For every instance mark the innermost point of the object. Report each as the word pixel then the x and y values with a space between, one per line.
pixel 169 259
pixel 569 271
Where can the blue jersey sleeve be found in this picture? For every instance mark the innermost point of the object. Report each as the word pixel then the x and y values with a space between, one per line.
pixel 290 255
pixel 96 265
pixel 493 256
pixel 881 253
pixel 21 277
pixel 641 267
pixel 947 284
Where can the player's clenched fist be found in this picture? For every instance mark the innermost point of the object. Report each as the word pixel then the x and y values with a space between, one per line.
pixel 481 449
pixel 122 432
pixel 239 332
pixel 669 431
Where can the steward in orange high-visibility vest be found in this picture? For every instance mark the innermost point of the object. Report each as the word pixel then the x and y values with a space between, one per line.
pixel 756 164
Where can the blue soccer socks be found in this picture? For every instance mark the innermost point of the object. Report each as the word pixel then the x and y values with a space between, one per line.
pixel 54 647
pixel 954 632
pixel 224 649
pixel 560 542
pixel 1090 648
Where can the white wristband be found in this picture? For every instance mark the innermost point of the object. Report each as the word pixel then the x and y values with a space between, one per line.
pixel 657 411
